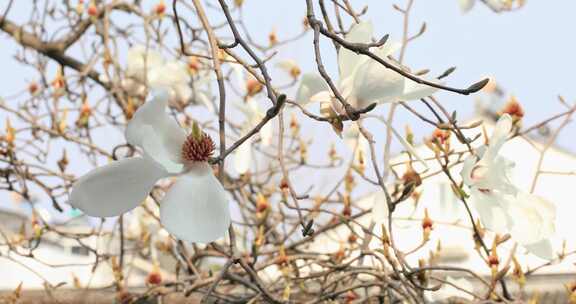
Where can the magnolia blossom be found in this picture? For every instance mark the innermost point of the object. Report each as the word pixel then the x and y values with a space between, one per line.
pixel 489 179
pixel 497 5
pixel 501 206
pixel 194 209
pixel 363 80
pixel 148 67
pixel 243 154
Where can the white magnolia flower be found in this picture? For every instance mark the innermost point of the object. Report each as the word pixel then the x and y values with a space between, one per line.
pixel 148 67
pixel 363 80
pixel 243 154
pixel 496 5
pixel 448 290
pixel 489 179
pixel 194 209
pixel 530 219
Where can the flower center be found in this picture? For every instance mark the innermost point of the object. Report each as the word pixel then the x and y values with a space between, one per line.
pixel 478 173
pixel 198 146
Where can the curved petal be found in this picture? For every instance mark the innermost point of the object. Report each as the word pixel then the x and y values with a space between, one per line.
pixel 466 5
pixel 467 168
pixel 195 209
pixel 351 135
pixel 158 134
pixel 243 157
pixel 407 146
pixel 534 218
pixel 141 60
pixel 542 249
pixel 490 210
pixel 389 48
pixel 415 91
pixel 181 93
pixel 267 133
pixel 323 96
pixel 310 85
pixel 375 82
pixel 117 187
pixel 380 208
pixel 168 75
pixel 497 176
pixel 498 138
pixel 349 61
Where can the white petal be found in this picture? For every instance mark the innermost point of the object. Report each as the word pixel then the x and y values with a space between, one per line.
pixel 243 157
pixel 534 218
pixel 389 48
pixel 116 188
pixel 415 91
pixel 497 176
pixel 195 209
pixel 140 61
pixel 309 86
pixel 375 82
pixel 202 98
pixel 168 75
pixel 157 133
pixel 323 96
pixel 466 5
pixel 467 168
pixel 489 208
pixel 181 93
pixel 407 146
pixel 349 61
pixel 350 136
pixel 499 137
pixel 267 133
pixel 542 249
pixel 380 208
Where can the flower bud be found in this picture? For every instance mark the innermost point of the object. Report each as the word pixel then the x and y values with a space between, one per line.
pixel 160 8
pixel 518 273
pixel 80 7
pixel 513 108
pixel 427 226
pixel 349 182
pixel 253 87
pixel 351 296
pixel 282 259
pixel 493 261
pixel 93 10
pixel 154 277
pixel 10 136
pixel 272 38
pixel 352 238
pixel 33 88
pixel 193 65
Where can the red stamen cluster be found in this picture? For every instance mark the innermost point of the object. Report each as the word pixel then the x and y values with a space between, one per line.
pixel 514 109
pixel 427 223
pixel 197 148
pixel 154 278
pixel 441 135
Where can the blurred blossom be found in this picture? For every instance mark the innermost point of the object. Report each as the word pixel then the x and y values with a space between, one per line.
pixel 501 206
pixel 364 80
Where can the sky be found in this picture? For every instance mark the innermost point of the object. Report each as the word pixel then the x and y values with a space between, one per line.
pixel 529 52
